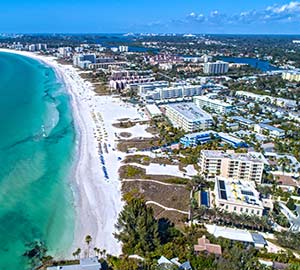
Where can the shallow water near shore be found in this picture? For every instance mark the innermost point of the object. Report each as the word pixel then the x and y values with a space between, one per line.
pixel 37 144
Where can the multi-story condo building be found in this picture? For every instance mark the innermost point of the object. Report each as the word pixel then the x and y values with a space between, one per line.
pixel 83 60
pixel 244 122
pixel 213 104
pixel 243 166
pixel 122 83
pixel 41 47
pixel 108 65
pixel 281 102
pixel 123 48
pixel 64 52
pixel 269 130
pixel 175 92
pixel 291 76
pixel 31 48
pixel 237 196
pixel 188 116
pixel 218 67
pixel 144 88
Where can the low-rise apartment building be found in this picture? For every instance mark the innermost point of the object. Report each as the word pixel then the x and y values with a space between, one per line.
pixel 188 116
pixel 243 166
pixel 281 102
pixel 237 196
pixel 194 139
pixel 244 122
pixel 213 104
pixel 269 130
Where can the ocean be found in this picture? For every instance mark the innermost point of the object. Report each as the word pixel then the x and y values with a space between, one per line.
pixel 37 145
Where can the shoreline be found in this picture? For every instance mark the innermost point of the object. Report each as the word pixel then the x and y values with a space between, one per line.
pixel 97 202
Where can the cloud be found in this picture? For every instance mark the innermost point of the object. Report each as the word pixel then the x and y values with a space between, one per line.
pixel 289 12
pixel 292 7
pixel 271 19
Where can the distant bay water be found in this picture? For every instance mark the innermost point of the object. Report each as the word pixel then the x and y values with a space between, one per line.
pixel 37 143
pixel 262 65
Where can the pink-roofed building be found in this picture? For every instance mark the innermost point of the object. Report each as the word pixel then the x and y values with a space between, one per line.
pixel 204 245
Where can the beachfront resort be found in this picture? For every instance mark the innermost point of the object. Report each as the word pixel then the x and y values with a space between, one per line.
pixel 177 164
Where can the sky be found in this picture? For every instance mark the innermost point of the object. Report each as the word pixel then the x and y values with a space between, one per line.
pixel 151 16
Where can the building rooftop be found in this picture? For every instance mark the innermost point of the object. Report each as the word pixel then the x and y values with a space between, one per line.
pixel 85 264
pixel 243 120
pixel 230 233
pixel 294 72
pixel 287 102
pixel 214 101
pixel 286 180
pixel 200 134
pixel 237 191
pixel 251 156
pixel 271 128
pixel 236 234
pixel 190 111
pixel 258 239
pixel 205 245
pixel 153 109
pixel 154 83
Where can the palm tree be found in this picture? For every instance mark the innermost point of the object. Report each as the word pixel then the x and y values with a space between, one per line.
pixel 88 240
pixel 284 162
pixel 77 253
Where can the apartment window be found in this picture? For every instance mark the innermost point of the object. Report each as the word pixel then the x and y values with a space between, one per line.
pixel 258 212
pixel 241 209
pixel 252 211
pixel 234 208
pixel 226 207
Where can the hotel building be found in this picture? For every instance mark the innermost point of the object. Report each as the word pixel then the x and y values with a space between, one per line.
pixel 237 196
pixel 84 60
pixel 123 48
pixel 144 88
pixel 174 92
pixel 213 104
pixel 218 67
pixel 293 76
pixel 188 116
pixel 243 166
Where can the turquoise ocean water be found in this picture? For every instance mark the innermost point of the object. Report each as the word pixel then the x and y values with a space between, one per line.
pixel 37 140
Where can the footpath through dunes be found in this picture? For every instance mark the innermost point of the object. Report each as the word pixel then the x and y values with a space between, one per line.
pixel 168 200
pixel 166 194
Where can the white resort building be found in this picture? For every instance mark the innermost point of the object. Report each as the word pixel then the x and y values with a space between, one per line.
pixel 237 196
pixel 174 92
pixel 218 67
pixel 213 104
pixel 188 116
pixel 244 166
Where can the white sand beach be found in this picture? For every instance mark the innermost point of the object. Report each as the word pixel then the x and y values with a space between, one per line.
pixel 95 181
